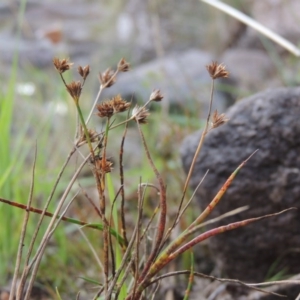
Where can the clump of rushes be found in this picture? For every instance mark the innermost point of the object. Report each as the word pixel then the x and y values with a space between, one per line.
pixel 126 273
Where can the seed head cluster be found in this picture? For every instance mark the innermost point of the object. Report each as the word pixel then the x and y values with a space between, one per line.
pixel 156 96
pixel 93 135
pixel 216 70
pixel 123 65
pixel 104 165
pixel 218 119
pixel 84 72
pixel 140 114
pixel 74 88
pixel 107 78
pixel 113 106
pixel 62 65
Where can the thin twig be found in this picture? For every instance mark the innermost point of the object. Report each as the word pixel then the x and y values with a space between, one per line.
pixel 66 219
pixel 123 263
pixel 27 267
pixel 113 263
pixel 62 215
pixel 149 222
pixel 126 273
pixel 133 264
pixel 90 201
pixel 23 234
pixel 38 256
pixel 102 87
pixel 163 207
pixel 218 230
pixel 102 205
pixel 141 198
pixel 200 144
pixel 122 206
pixel 217 219
pixel 219 195
pixel 98 260
pixel 198 274
pixel 190 200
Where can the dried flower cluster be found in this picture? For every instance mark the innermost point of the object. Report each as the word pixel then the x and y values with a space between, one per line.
pixel 62 65
pixel 93 135
pixel 140 114
pixel 156 96
pixel 105 109
pixel 123 65
pixel 218 119
pixel 84 72
pixel 216 70
pixel 107 78
pixel 74 88
pixel 113 106
pixel 104 166
pixel 119 104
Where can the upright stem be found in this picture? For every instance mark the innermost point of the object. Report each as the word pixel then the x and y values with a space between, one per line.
pixel 163 207
pixel 200 144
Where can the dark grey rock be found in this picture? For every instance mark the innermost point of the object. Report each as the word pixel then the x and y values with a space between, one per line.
pixel 268 183
pixel 181 78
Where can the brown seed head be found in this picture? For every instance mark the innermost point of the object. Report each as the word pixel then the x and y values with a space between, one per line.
pixel 216 70
pixel 93 135
pixel 105 109
pixel 84 72
pixel 107 79
pixel 61 65
pixel 74 89
pixel 113 106
pixel 156 96
pixel 218 120
pixel 140 114
pixel 104 166
pixel 119 104
pixel 123 65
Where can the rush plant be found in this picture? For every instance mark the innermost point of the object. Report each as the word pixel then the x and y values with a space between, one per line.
pixel 131 256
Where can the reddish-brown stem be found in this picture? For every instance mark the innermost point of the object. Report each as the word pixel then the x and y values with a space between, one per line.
pixel 200 144
pixel 101 188
pixel 219 195
pixel 123 221
pixel 163 207
pixel 165 259
pixel 162 261
pixel 21 242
